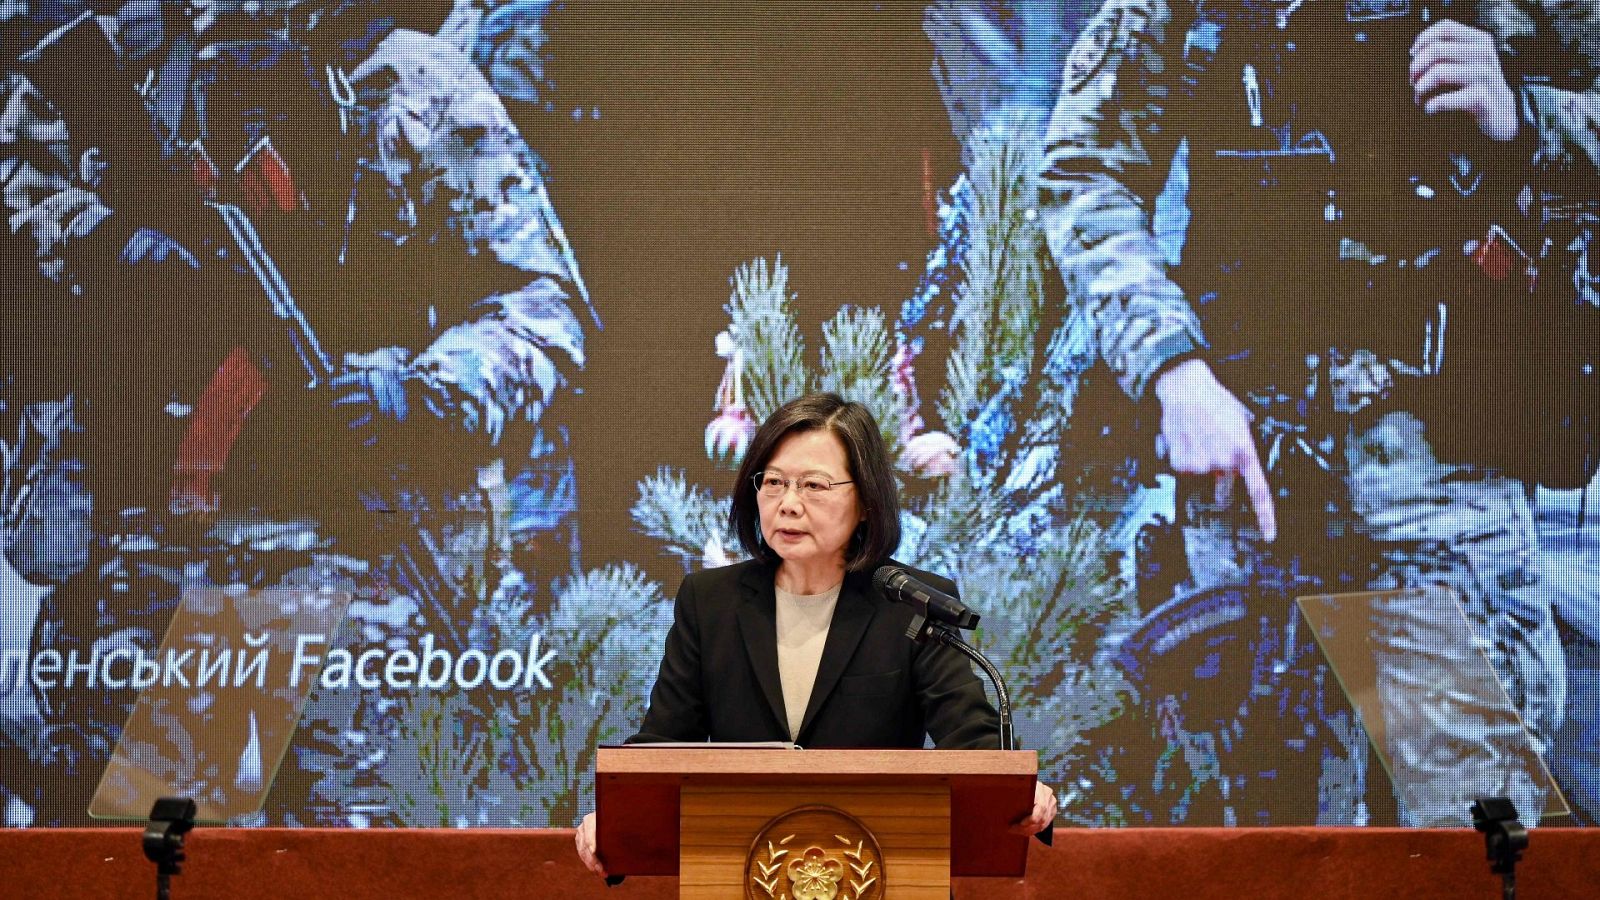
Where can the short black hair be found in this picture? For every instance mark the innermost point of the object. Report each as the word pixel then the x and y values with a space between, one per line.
pixel 870 469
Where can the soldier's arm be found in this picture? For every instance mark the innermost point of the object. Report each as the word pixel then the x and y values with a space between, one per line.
pixel 444 137
pixel 508 362
pixel 1107 153
pixel 52 198
pixel 1566 125
pixel 1551 54
pixel 1108 150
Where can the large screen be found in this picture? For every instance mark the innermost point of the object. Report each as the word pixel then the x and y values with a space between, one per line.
pixel 465 314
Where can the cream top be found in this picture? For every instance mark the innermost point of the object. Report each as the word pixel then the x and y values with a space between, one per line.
pixel 803 621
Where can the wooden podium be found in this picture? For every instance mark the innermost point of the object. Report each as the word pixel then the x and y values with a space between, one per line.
pixel 774 824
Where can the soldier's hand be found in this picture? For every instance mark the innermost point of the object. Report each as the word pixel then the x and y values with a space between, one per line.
pixel 1455 68
pixel 372 391
pixel 148 246
pixel 1207 432
pixel 56 220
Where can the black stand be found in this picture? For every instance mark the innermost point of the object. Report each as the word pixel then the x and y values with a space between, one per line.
pixel 170 819
pixel 1504 839
pixel 922 628
pixel 940 616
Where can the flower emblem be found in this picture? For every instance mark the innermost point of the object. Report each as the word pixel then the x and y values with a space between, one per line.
pixel 814 876
pixel 814 853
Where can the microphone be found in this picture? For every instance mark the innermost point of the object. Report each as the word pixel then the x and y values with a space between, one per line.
pixel 939 615
pixel 898 584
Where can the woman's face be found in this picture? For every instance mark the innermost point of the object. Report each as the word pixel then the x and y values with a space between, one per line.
pixel 815 527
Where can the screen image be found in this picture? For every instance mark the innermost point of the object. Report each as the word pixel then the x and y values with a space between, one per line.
pixel 392 361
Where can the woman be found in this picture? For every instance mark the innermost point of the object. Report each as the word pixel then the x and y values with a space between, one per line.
pixel 795 644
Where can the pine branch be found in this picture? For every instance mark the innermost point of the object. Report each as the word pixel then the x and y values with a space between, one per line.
pixel 684 517
pixel 1065 594
pixel 959 518
pixel 856 359
pixel 765 332
pixel 592 605
pixel 997 306
pixel 545 740
pixel 1060 600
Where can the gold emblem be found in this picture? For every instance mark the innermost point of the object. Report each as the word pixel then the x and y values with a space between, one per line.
pixel 814 853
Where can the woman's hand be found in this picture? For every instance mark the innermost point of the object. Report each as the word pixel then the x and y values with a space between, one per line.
pixel 586 850
pixel 1044 811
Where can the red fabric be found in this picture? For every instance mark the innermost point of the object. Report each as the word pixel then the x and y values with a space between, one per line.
pixel 218 417
pixel 204 171
pixel 266 183
pixel 1494 257
pixel 1189 864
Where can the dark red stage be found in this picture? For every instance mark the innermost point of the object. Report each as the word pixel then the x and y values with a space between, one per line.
pixel 1190 864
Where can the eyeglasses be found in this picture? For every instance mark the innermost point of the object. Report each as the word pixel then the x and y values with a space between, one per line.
pixel 771 484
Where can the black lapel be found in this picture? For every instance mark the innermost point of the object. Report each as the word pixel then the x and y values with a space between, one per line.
pixel 850 617
pixel 758 622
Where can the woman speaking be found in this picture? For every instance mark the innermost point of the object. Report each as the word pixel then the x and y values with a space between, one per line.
pixel 795 644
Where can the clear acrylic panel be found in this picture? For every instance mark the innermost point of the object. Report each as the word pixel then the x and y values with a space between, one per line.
pixel 1440 721
pixel 218 733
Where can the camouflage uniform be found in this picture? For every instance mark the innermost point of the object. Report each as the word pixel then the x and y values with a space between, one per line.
pixel 384 167
pixel 102 265
pixel 1296 284
pixel 1564 111
pixel 1569 148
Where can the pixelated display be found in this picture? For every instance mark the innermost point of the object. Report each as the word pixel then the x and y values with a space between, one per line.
pixel 464 313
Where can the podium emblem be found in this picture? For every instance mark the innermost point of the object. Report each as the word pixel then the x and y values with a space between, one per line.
pixel 814 853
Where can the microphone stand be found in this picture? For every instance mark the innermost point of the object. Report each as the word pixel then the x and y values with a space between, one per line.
pixel 922 628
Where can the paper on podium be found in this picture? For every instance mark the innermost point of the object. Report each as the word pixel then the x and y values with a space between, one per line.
pixel 713 745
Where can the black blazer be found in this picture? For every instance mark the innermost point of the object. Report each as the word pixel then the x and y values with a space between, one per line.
pixel 874 688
